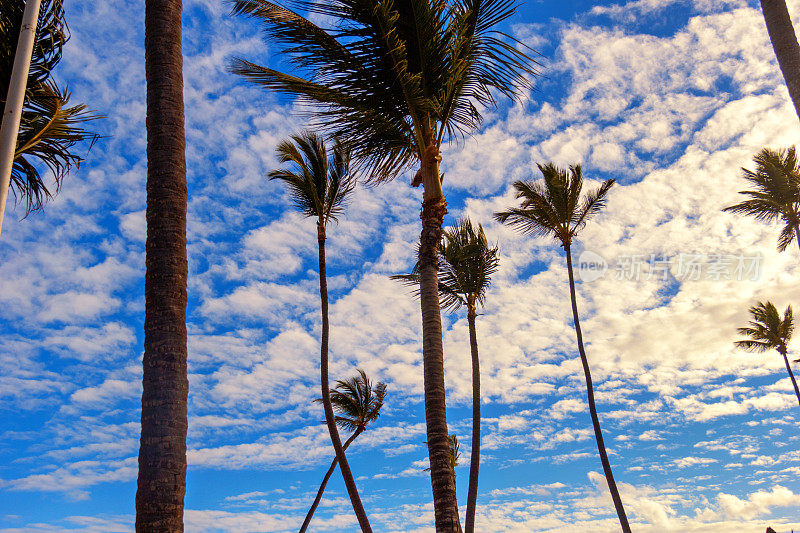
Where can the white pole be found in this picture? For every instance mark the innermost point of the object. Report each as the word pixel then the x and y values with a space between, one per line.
pixel 16 97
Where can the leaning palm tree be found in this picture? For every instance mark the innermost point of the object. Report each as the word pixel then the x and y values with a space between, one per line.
pixel 775 194
pixel 556 207
pixel 398 79
pixel 358 404
pixel 50 126
pixel 165 383
pixel 466 264
pixel 784 43
pixel 320 186
pixel 768 331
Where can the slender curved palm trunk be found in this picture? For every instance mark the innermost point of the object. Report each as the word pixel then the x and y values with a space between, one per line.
pixel 434 207
pixel 324 484
pixel 782 351
pixel 349 482
pixel 474 461
pixel 162 448
pixel 598 434
pixel 784 42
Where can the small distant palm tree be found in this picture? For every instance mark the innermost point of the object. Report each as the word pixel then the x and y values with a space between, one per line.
pixel 775 194
pixel 320 186
pixel 768 331
pixel 455 452
pixel 50 127
pixel 466 264
pixel 556 207
pixel 358 404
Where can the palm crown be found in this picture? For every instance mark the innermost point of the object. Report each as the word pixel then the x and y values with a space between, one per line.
pixel 767 330
pixel 318 184
pixel 393 77
pixel 466 264
pixel 776 192
pixel 357 401
pixel 555 206
pixel 50 127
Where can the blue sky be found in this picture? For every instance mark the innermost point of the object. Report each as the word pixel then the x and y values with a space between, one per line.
pixel 670 97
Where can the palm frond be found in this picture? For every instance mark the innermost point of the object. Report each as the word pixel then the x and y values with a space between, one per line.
pixel 357 401
pixel 319 185
pixel 391 77
pixel 775 193
pixel 555 205
pixel 767 330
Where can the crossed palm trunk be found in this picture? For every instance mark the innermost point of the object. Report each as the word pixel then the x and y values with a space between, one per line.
pixel 330 419
pixel 598 434
pixel 324 484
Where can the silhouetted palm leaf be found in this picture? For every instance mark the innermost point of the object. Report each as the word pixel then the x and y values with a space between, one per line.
pixel 50 127
pixel 775 194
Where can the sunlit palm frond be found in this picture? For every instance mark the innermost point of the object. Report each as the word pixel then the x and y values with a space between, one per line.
pixel 318 184
pixel 555 205
pixel 357 401
pixel 391 77
pixel 49 130
pixel 775 192
pixel 767 329
pixel 466 264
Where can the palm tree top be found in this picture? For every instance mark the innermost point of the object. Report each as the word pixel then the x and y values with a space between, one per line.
pixel 776 191
pixel 319 184
pixel 767 330
pixel 357 401
pixel 466 264
pixel 50 127
pixel 554 205
pixel 393 78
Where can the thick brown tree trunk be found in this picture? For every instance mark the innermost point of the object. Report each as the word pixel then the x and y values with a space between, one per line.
pixel 474 460
pixel 784 42
pixel 791 374
pixel 598 434
pixel 330 420
pixel 434 207
pixel 324 484
pixel 162 448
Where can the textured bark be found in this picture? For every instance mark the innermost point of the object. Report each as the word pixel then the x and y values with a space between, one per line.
pixel 474 461
pixel 791 374
pixel 598 434
pixel 784 42
pixel 330 420
pixel 324 484
pixel 434 207
pixel 162 448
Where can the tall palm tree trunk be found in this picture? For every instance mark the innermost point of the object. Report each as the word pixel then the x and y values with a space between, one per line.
pixel 784 42
pixel 324 484
pixel 162 448
pixel 791 374
pixel 598 434
pixel 330 419
pixel 434 207
pixel 474 461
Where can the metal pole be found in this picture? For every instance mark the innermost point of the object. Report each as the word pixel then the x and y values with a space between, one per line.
pixel 12 114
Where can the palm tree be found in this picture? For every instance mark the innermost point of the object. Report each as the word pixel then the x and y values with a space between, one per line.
pixel 320 187
pixel 397 79
pixel 466 265
pixel 162 448
pixel 358 404
pixel 776 192
pixel 767 331
pixel 50 127
pixel 784 43
pixel 556 207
